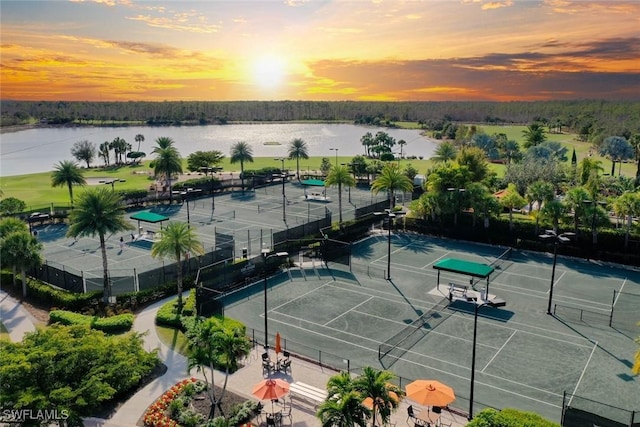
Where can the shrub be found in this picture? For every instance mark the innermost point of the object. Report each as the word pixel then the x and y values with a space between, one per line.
pixel 48 295
pixel 114 324
pixel 509 418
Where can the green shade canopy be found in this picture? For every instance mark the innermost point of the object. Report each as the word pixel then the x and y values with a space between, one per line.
pixel 149 217
pixel 461 266
pixel 313 182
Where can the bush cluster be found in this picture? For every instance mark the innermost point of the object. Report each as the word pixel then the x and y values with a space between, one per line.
pixel 52 297
pixel 509 418
pixel 135 300
pixel 113 324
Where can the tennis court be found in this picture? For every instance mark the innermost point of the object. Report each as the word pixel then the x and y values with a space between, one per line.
pixel 525 358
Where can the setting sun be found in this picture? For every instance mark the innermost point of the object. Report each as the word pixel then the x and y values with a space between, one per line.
pixel 268 71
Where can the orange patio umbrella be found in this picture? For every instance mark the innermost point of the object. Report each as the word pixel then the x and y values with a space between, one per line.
pixel 368 402
pixel 430 393
pixel 278 347
pixel 270 389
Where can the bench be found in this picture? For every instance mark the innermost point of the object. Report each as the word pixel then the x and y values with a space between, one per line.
pixel 457 291
pixel 307 392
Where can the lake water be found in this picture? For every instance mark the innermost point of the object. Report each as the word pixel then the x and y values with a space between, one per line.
pixel 38 150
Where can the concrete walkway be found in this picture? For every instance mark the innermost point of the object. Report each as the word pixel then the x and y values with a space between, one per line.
pixel 18 322
pixel 14 317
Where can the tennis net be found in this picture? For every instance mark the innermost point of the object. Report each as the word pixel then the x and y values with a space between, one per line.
pixel 396 346
pixel 499 264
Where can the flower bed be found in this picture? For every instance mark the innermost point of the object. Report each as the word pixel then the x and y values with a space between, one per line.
pixel 156 415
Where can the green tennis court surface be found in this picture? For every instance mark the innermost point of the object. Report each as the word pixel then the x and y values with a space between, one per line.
pixel 525 358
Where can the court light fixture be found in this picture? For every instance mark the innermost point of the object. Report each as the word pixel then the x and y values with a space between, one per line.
pixel 551 235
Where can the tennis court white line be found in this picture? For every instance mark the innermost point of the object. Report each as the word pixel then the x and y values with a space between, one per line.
pixel 350 310
pixel 555 282
pixel 435 260
pixel 583 371
pixel 618 296
pixel 300 296
pixel 499 350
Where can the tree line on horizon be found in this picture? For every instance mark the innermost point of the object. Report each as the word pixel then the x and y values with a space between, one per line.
pixel 584 117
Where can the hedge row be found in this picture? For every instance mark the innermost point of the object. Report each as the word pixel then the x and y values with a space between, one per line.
pixel 509 418
pixel 52 297
pixel 112 325
pixel 168 314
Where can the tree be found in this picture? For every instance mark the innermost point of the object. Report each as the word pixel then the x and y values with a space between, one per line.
pixel 104 152
pixel 616 148
pixel 325 165
pixel 635 143
pixel 410 171
pixel 539 192
pixel 482 203
pixel 586 166
pixel 177 239
pixel 11 205
pixel 119 146
pixel 298 150
pixel 167 161
pixel 534 134
pixel 72 368
pixel 211 345
pixel 21 250
pixel 139 138
pixel 391 179
pixel 445 152
pixel 359 166
pixel 509 149
pixel 99 212
pixel 574 201
pixel 204 159
pixel 553 211
pixel 347 411
pixel 67 173
pixel 512 200
pixel 475 160
pixel 627 205
pixel 376 385
pixel 7 226
pixel 486 144
pixel 367 141
pixel 340 176
pixel 241 152
pixel 402 143
pixel 84 151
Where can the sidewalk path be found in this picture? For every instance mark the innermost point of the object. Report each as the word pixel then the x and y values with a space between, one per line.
pixel 14 317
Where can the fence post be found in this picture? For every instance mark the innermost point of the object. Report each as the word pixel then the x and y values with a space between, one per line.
pixel 84 282
pixel 136 285
pixel 613 301
pixel 564 408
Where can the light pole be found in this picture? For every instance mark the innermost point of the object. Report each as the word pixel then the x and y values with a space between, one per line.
pixel 477 306
pixel 284 197
pixel 390 216
pixel 349 188
pixel 265 258
pixel 113 182
pixel 211 170
pixel 336 150
pixel 557 238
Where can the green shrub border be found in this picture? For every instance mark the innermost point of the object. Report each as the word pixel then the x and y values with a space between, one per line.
pixel 112 325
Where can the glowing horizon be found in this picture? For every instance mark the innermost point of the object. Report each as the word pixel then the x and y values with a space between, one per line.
pixel 126 50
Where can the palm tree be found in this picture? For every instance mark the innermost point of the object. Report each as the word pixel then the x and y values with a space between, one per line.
pixel 539 192
pixel 67 173
pixel 298 150
pixel 574 201
pixel 347 411
pixel 21 250
pixel 553 211
pixel 164 142
pixel 340 176
pixel 534 135
pixel 402 143
pixel 241 152
pixel 99 211
pixel 167 163
pixel 177 239
pixel 103 152
pixel 211 345
pixel 339 384
pixel 376 385
pixel 10 225
pixel 445 152
pixel 139 138
pixel 511 200
pixel 391 179
pixel 627 205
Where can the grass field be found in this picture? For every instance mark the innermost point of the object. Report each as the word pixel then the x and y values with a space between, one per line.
pixel 35 189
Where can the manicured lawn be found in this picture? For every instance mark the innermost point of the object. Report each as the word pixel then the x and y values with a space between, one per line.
pixel 173 338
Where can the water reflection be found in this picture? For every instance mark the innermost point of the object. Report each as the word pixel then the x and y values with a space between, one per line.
pixel 38 150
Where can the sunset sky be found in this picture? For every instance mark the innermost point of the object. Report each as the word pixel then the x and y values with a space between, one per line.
pixel 360 50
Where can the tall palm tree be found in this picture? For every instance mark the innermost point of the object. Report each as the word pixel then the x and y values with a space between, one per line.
pixel 167 163
pixel 99 211
pixel 553 211
pixel 340 176
pixel 67 173
pixel 139 138
pixel 339 384
pixel 534 135
pixel 177 239
pixel 391 179
pixel 103 152
pixel 376 385
pixel 298 150
pixel 163 142
pixel 574 201
pixel 241 152
pixel 21 250
pixel 347 411
pixel 627 205
pixel 232 345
